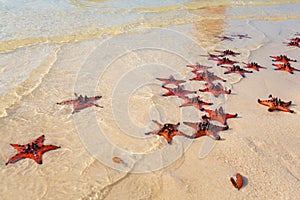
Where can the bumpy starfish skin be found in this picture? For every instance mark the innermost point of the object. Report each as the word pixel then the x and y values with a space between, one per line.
pixel 254 65
pixel 197 67
pixel 196 102
pixel 33 150
pixel 168 131
pixel 170 80
pixel 215 89
pixel 81 102
pixel 276 104
pixel 282 58
pixel 179 91
pixel 236 69
pixel 205 128
pixel 285 67
pixel 208 77
pixel 219 115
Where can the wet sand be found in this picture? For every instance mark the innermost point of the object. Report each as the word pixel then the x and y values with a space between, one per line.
pixel 262 146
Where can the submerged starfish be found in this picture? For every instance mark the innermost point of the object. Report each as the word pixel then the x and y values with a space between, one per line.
pixel 81 102
pixel 219 115
pixel 254 65
pixel 282 58
pixel 241 36
pixel 285 67
pixel 222 38
pixel 208 77
pixel 292 44
pixel 215 89
pixel 296 39
pixel 227 53
pixel 236 69
pixel 168 131
pixel 195 101
pixel 205 128
pixel 224 61
pixel 171 80
pixel 179 91
pixel 275 103
pixel 33 150
pixel 197 67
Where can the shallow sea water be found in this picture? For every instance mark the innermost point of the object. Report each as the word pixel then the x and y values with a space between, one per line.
pixel 116 49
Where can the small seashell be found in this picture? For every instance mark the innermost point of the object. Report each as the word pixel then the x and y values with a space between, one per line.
pixel 117 160
pixel 237 181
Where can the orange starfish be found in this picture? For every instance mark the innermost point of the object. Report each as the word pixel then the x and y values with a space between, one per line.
pixel 282 58
pixel 33 150
pixel 227 52
pixel 215 89
pixel 179 91
pixel 168 131
pixel 81 102
pixel 171 80
pixel 219 115
pixel 197 67
pixel 205 128
pixel 224 61
pixel 275 103
pixel 208 77
pixel 236 69
pixel 254 65
pixel 196 102
pixel 285 67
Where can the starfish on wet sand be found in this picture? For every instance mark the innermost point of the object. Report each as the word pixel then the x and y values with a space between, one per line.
pixel 241 36
pixel 208 77
pixel 81 102
pixel 275 103
pixel 198 67
pixel 224 61
pixel 219 115
pixel 254 65
pixel 205 128
pixel 236 69
pixel 285 67
pixel 168 131
pixel 178 91
pixel 282 58
pixel 215 89
pixel 195 101
pixel 227 52
pixel 33 150
pixel 223 37
pixel 170 80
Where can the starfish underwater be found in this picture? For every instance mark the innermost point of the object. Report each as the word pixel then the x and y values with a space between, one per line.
pixel 227 52
pixel 236 69
pixel 179 91
pixel 170 80
pixel 293 44
pixel 219 115
pixel 195 101
pixel 208 77
pixel 254 65
pixel 168 131
pixel 197 67
pixel 275 103
pixel 81 102
pixel 285 67
pixel 241 36
pixel 33 150
pixel 215 89
pixel 224 61
pixel 282 58
pixel 222 38
pixel 205 128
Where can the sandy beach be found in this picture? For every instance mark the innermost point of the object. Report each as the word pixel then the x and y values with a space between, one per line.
pixel 117 49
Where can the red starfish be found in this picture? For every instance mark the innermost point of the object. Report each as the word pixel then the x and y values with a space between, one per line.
pixel 197 67
pixel 208 77
pixel 227 53
pixel 81 102
pixel 254 65
pixel 296 39
pixel 219 115
pixel 210 56
pixel 282 58
pixel 179 91
pixel 196 102
pixel 241 36
pixel 33 150
pixel 168 131
pixel 224 61
pixel 285 67
pixel 205 128
pixel 276 104
pixel 170 80
pixel 292 44
pixel 215 89
pixel 236 69
pixel 222 38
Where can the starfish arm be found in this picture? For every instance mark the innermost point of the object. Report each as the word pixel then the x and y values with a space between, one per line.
pixel 284 109
pixel 264 102
pixel 152 132
pixel 204 90
pixel 213 135
pixel 19 156
pixel 166 135
pixel 198 134
pixel 227 116
pixel 285 104
pixel 192 124
pixel 227 92
pixel 19 147
pixel 67 102
pixel 158 124
pixel 95 98
pixel 39 141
